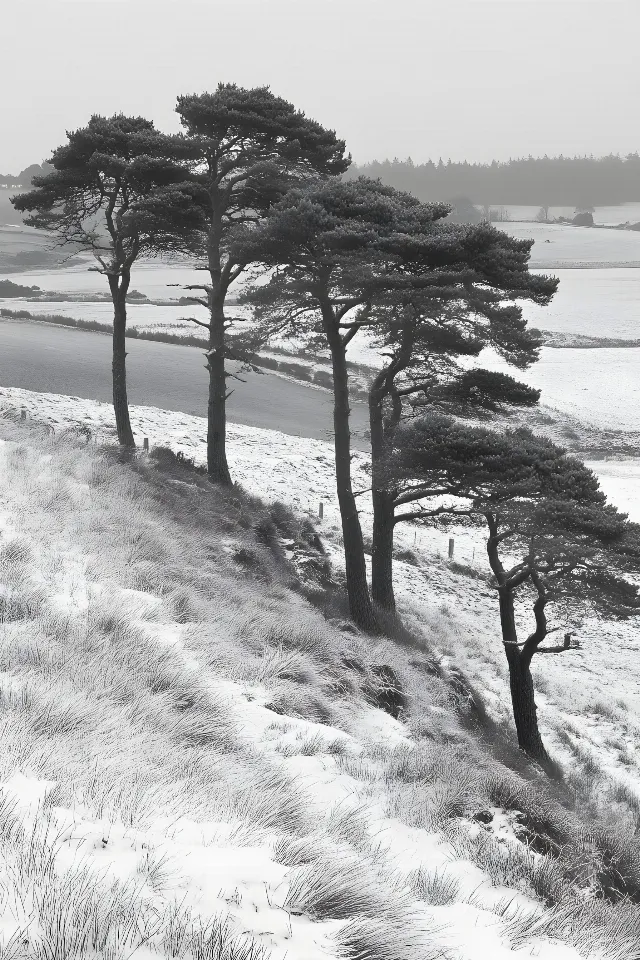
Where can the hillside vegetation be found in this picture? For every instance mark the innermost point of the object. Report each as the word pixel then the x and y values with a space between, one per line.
pixel 208 764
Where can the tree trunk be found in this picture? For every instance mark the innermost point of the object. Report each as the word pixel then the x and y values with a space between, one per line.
pixel 119 363
pixel 383 510
pixel 382 550
pixel 521 684
pixel 360 604
pixel 217 466
pixel 524 705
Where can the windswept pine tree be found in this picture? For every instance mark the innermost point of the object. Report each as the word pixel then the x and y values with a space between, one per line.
pixel 249 148
pixel 333 248
pixel 459 298
pixel 117 190
pixel 359 256
pixel 553 542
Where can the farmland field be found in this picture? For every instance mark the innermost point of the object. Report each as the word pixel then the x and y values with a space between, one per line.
pixel 610 215
pixel 599 386
pixel 563 245
pixel 599 303
pixel 152 278
pixel 143 316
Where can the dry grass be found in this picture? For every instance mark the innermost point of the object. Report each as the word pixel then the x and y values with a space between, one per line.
pixel 128 631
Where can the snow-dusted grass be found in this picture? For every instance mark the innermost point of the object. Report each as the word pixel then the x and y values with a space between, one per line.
pixel 599 303
pixel 157 280
pixel 155 802
pixel 141 316
pixel 599 386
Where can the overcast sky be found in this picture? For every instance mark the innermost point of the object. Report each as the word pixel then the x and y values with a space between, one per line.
pixel 473 79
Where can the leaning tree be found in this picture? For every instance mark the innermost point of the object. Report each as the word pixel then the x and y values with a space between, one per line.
pixel 332 248
pixel 117 190
pixel 459 298
pixel 250 147
pixel 556 548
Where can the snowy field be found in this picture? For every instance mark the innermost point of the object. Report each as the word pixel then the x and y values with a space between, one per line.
pixel 598 303
pixel 157 281
pixel 142 316
pixel 601 387
pixel 611 215
pixel 620 480
pixel 570 246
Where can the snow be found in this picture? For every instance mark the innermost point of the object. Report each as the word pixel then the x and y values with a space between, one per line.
pixel 142 316
pixel 152 277
pixel 204 868
pixel 608 215
pixel 571 246
pixel 620 480
pixel 599 303
pixel 601 387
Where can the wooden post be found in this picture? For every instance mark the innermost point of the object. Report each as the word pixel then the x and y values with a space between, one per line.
pixel 451 543
pixel 145 443
pixel 321 510
pixel 23 413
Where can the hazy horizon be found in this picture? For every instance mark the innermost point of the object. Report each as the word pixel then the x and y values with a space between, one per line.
pixel 461 79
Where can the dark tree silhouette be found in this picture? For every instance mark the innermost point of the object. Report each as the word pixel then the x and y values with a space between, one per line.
pixel 553 542
pixel 536 181
pixel 458 300
pixel 334 248
pixel 250 147
pixel 118 190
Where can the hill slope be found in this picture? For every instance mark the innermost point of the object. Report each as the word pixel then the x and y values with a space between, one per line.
pixel 197 763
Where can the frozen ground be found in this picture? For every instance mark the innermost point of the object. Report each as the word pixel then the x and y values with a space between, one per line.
pixel 615 214
pixel 594 692
pixel 170 786
pixel 600 303
pixel 570 246
pixel 155 279
pixel 601 386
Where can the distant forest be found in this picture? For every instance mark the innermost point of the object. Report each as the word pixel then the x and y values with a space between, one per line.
pixel 581 182
pixel 25 176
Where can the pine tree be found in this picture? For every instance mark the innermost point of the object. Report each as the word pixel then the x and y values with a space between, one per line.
pixel 458 300
pixel 118 190
pixel 334 250
pixel 553 542
pixel 250 146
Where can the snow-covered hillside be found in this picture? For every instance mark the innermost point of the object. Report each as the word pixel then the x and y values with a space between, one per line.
pixel 198 760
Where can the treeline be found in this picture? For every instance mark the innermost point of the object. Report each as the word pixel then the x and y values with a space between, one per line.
pixel 251 186
pixel 536 181
pixel 25 176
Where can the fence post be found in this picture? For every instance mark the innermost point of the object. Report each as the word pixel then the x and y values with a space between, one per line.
pixel 451 544
pixel 23 413
pixel 145 443
pixel 321 510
